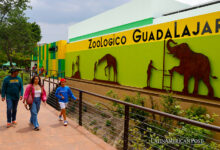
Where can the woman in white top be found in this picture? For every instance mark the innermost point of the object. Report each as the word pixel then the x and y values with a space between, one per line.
pixel 38 93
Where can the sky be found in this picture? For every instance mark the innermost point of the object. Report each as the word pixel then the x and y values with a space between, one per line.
pixel 55 16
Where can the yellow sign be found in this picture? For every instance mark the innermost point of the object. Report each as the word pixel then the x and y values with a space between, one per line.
pixel 202 25
pixel 14 81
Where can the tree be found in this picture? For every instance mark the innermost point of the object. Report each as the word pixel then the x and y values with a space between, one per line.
pixel 8 6
pixel 17 35
pixel 3 58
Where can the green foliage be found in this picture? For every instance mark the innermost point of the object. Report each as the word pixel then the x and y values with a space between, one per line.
pixel 3 74
pixel 153 137
pixel 137 113
pixel 108 123
pixel 98 106
pixel 146 129
pixel 93 122
pixel 171 106
pixel 26 78
pixel 94 130
pixel 193 132
pixel 199 114
pixel 3 58
pixel 36 32
pixel 117 109
pixel 137 139
pixel 7 7
pixel 112 94
pixel 105 139
pixel 84 108
pixel 71 108
pixel 103 115
pixel 18 37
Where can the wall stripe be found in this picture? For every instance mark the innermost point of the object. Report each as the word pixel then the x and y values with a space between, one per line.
pixel 114 29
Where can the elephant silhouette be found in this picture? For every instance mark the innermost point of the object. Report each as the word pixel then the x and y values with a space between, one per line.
pixel 111 62
pixel 192 64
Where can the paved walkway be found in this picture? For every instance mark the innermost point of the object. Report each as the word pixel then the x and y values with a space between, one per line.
pixel 52 135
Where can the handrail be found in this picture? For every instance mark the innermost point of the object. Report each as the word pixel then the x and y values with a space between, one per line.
pixel 61 72
pixel 189 121
pixel 126 113
pixel 133 89
pixel 56 72
pixel 52 71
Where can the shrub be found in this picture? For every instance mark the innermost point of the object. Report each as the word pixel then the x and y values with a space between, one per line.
pixel 108 123
pixel 144 129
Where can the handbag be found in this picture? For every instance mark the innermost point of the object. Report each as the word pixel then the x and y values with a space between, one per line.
pixel 29 100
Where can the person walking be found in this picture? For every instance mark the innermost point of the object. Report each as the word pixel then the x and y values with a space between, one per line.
pixel 41 71
pixel 34 70
pixel 12 89
pixel 38 94
pixel 62 93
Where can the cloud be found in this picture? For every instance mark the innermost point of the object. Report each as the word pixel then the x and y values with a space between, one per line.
pixel 53 32
pixel 55 16
pixel 60 11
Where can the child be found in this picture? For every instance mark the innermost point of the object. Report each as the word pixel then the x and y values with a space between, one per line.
pixel 62 93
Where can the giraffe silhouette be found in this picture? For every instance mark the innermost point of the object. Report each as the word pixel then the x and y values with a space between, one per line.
pixel 73 68
pixel 95 67
pixel 111 62
pixel 77 73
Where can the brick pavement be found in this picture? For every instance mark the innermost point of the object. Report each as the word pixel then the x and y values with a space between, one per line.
pixel 52 135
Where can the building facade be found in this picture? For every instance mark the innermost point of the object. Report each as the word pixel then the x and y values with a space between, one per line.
pixel 144 44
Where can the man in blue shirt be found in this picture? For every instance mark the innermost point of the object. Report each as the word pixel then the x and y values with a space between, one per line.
pixel 12 88
pixel 62 93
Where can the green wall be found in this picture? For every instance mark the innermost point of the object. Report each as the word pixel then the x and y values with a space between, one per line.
pixel 133 60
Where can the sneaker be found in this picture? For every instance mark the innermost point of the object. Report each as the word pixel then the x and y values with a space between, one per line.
pixel 60 118
pixel 14 122
pixel 65 123
pixel 8 125
pixel 36 129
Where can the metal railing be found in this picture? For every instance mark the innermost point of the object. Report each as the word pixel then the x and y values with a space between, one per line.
pixel 56 75
pixel 129 119
pixel 51 71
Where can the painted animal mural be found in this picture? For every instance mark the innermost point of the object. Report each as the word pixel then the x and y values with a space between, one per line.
pixel 95 68
pixel 192 64
pixel 111 62
pixel 77 73
pixel 73 64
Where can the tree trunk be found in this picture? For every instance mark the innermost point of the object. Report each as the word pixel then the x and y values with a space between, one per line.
pixel 7 50
pixel 9 58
